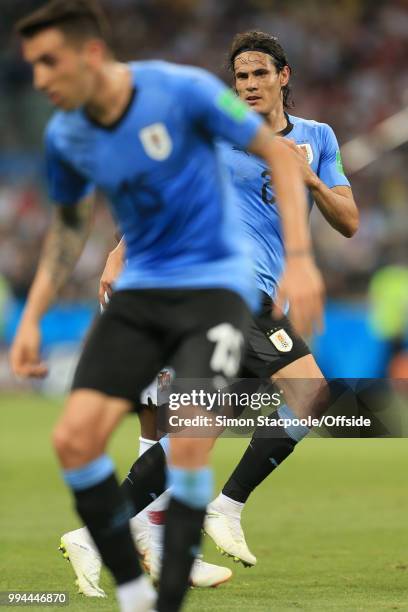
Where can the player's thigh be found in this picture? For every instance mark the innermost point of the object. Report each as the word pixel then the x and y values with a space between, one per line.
pixel 212 345
pixel 208 356
pixel 272 344
pixel 121 354
pixel 304 367
pixel 304 387
pixel 88 419
pixel 191 453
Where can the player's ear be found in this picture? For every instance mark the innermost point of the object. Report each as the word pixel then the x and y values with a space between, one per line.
pixel 284 76
pixel 95 52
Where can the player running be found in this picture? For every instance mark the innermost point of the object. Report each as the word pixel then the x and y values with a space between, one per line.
pixel 144 134
pixel 261 74
pixel 146 527
pixel 275 351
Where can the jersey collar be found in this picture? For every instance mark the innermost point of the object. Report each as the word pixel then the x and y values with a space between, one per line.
pixel 116 123
pixel 288 128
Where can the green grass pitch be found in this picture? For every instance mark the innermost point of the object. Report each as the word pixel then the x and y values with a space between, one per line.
pixel 329 528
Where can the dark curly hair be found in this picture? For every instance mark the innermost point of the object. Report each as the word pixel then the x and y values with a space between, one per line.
pixel 254 40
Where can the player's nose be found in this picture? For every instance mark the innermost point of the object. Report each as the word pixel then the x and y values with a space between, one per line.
pixel 251 84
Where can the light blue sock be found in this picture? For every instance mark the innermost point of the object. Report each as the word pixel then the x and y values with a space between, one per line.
pixel 165 444
pixel 193 488
pixel 90 474
pixel 296 432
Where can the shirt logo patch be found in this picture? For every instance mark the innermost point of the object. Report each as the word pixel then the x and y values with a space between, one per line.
pixel 339 163
pixel 281 340
pixel 232 106
pixel 156 141
pixel 306 148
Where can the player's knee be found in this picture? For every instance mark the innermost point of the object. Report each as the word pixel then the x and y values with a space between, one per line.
pixel 60 440
pixel 191 452
pixel 72 446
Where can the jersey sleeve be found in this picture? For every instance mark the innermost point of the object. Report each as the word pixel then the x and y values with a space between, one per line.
pixel 65 185
pixel 330 169
pixel 215 107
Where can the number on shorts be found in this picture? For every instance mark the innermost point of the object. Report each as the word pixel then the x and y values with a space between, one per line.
pixel 227 352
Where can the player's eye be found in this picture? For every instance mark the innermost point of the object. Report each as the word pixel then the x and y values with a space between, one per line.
pixel 48 60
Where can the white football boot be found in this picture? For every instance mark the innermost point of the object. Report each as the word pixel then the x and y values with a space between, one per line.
pixel 139 528
pixel 78 548
pixel 205 574
pixel 226 531
pixel 202 574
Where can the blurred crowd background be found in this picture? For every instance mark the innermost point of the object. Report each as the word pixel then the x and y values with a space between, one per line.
pixel 349 60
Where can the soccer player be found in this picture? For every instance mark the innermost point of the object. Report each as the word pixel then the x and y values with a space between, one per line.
pixel 146 527
pixel 261 74
pixel 144 134
pixel 261 77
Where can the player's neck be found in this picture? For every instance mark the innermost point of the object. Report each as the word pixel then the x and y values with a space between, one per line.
pixel 276 118
pixel 112 93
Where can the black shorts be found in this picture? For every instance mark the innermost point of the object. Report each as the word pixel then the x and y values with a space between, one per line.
pixel 198 331
pixel 272 344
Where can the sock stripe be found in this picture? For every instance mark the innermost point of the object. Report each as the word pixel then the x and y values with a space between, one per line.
pixel 296 432
pixel 165 444
pixel 191 487
pixel 90 474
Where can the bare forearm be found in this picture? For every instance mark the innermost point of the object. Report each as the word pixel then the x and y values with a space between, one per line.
pixel 63 246
pixel 338 209
pixel 42 294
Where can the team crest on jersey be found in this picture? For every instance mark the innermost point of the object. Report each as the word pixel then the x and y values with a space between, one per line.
pixel 281 340
pixel 306 148
pixel 156 141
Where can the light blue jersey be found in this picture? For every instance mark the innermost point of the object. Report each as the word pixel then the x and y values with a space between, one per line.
pixel 251 178
pixel 160 169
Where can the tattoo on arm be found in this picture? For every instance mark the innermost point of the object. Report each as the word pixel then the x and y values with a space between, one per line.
pixel 66 238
